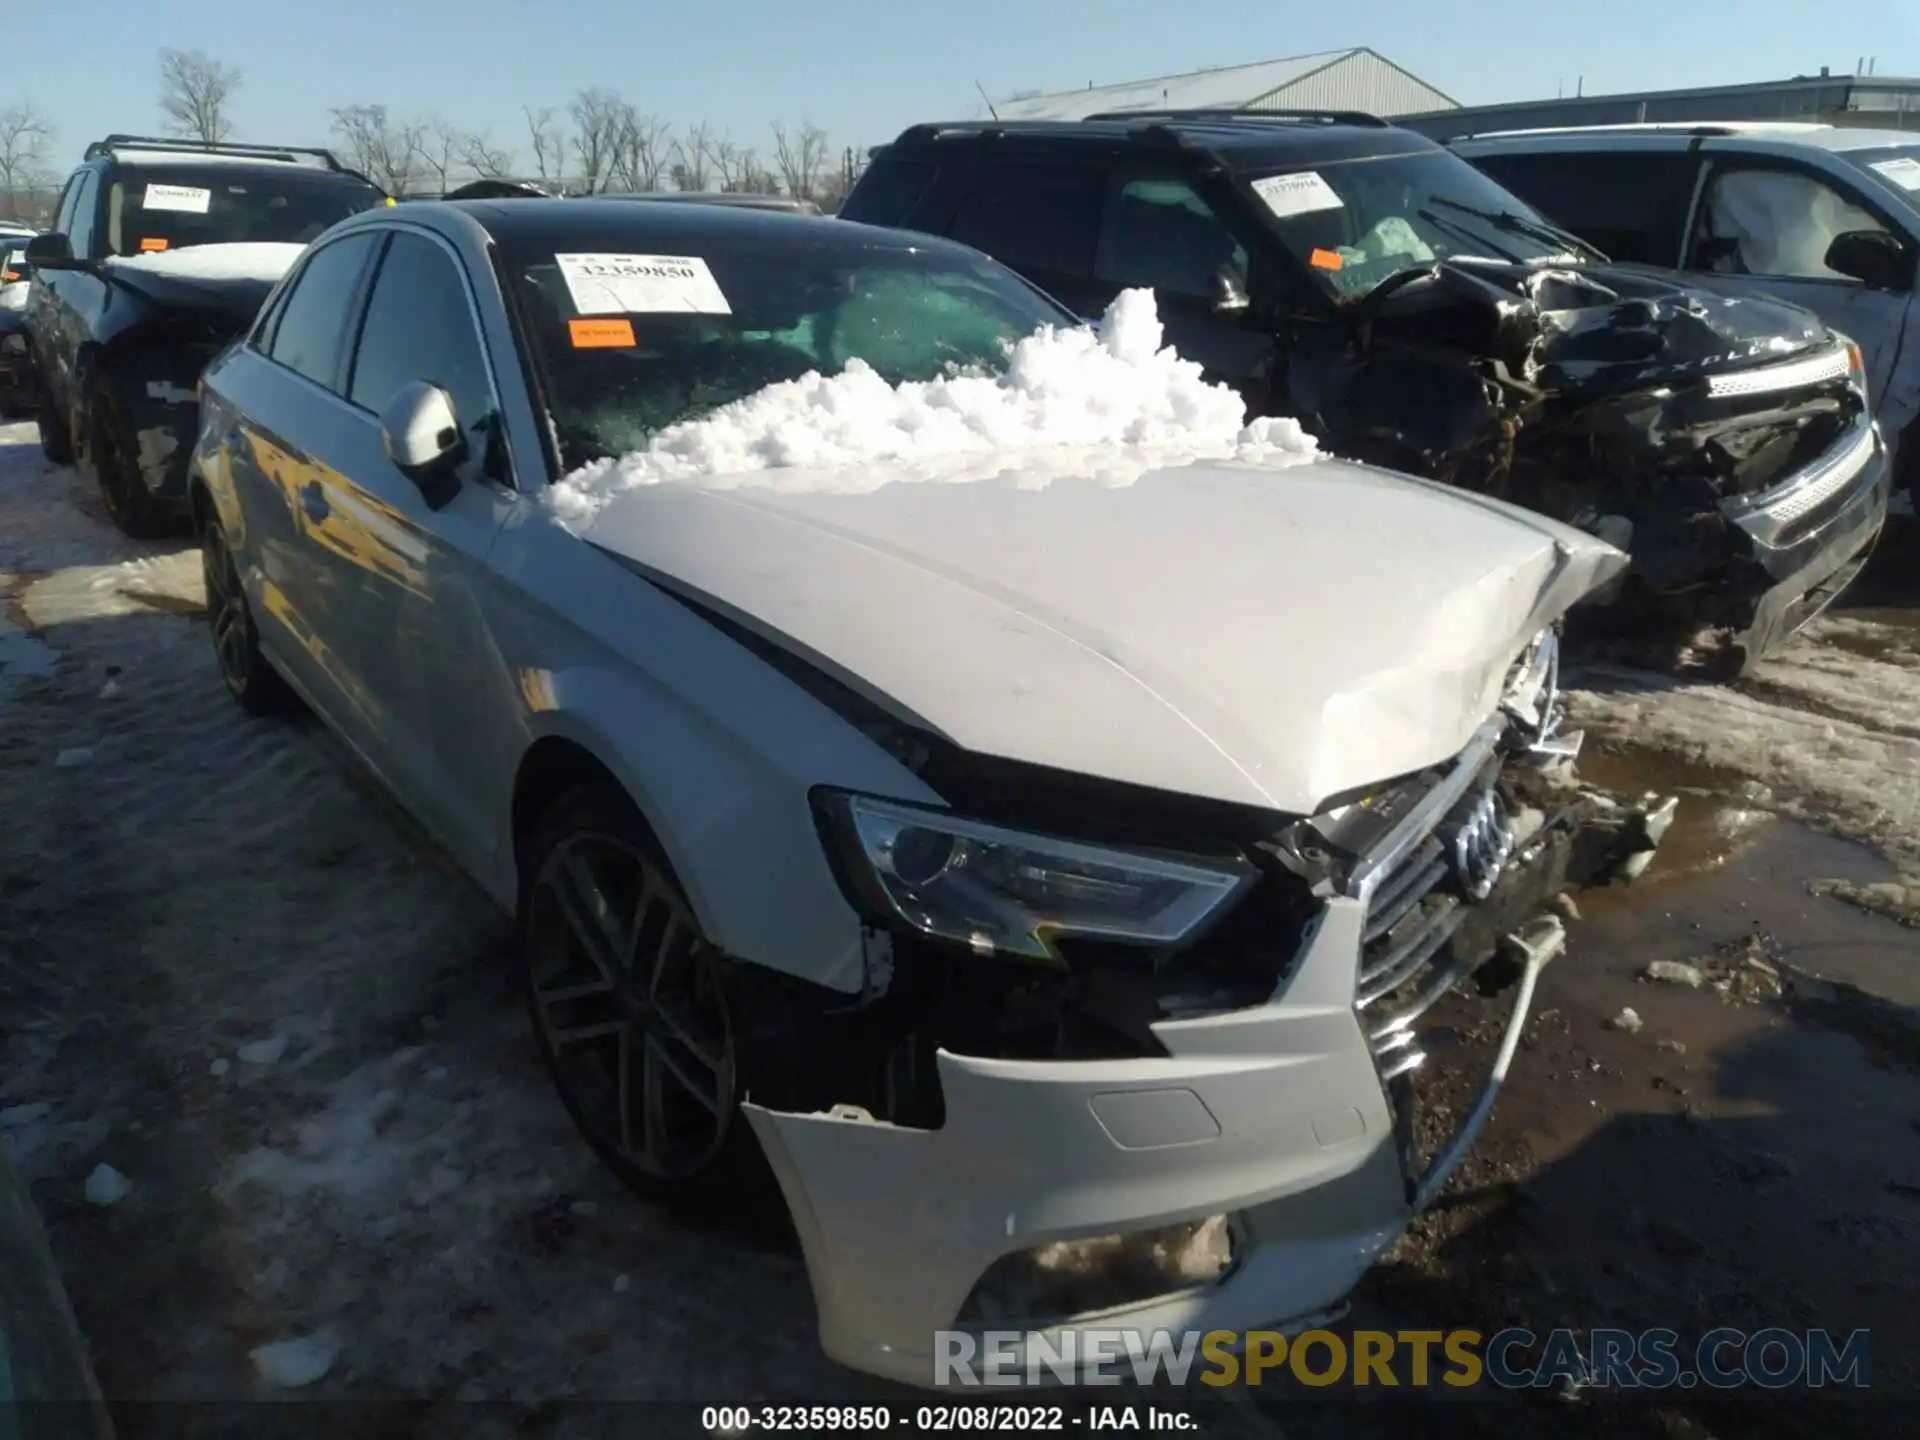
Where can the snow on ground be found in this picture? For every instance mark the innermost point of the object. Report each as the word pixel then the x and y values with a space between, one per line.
pixel 1830 727
pixel 1112 400
pixel 259 260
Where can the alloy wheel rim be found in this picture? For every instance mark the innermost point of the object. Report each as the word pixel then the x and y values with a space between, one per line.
pixel 630 1006
pixel 226 610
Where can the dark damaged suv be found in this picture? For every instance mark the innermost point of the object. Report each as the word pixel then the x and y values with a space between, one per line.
pixel 161 252
pixel 1413 314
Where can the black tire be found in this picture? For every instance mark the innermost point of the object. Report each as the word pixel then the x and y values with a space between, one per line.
pixel 56 440
pixel 666 1006
pixel 247 674
pixel 115 455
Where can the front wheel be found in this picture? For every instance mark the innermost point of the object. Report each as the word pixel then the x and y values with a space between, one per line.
pixel 631 1009
pixel 248 675
pixel 136 511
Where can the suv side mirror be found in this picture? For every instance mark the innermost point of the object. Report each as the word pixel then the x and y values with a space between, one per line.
pixel 1872 257
pixel 1229 292
pixel 52 251
pixel 423 438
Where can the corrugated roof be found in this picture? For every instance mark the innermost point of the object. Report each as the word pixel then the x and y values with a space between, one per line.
pixel 1226 88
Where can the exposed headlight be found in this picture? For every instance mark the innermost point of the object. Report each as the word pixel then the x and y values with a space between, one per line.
pixel 1011 892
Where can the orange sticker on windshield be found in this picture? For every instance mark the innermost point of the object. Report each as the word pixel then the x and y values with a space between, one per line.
pixel 147 247
pixel 601 334
pixel 1325 260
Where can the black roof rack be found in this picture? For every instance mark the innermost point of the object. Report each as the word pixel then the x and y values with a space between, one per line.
pixel 988 129
pixel 1246 117
pixel 1641 127
pixel 175 145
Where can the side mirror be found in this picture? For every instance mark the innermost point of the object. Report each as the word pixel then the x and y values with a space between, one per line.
pixel 1872 257
pixel 423 438
pixel 50 252
pixel 1229 292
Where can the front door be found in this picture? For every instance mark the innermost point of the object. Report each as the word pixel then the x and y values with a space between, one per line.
pixel 1763 227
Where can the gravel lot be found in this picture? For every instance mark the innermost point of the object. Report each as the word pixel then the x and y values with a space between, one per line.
pixel 235 976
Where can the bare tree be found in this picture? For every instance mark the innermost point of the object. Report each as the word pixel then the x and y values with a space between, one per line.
pixel 834 187
pixel 549 143
pixel 692 154
pixel 599 116
pixel 443 147
pixel 194 91
pixel 25 134
pixel 802 159
pixel 388 152
pixel 640 158
pixel 486 161
pixel 724 156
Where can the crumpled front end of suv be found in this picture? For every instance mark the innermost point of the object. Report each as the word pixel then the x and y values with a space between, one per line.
pixel 1219 1136
pixel 1729 444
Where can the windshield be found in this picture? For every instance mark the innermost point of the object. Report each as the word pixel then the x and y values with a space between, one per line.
pixel 1898 165
pixel 673 338
pixel 1356 222
pixel 171 209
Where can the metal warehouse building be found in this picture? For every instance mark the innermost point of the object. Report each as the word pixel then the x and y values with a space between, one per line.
pixel 1359 79
pixel 1875 101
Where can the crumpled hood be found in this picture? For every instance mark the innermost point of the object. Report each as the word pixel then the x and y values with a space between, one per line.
pixel 1264 636
pixel 1611 328
pixel 230 281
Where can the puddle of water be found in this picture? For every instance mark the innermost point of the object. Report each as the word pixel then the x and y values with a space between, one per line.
pixel 1728 868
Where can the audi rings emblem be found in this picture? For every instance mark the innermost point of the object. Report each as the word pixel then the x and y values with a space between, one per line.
pixel 1481 844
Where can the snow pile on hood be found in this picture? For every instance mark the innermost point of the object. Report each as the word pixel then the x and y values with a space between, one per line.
pixel 1106 403
pixel 263 262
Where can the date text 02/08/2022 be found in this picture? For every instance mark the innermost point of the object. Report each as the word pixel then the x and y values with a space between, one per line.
pixel 731 1420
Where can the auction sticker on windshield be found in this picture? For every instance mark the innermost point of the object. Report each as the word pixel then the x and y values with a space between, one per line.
pixel 1299 194
pixel 177 197
pixel 642 285
pixel 1904 172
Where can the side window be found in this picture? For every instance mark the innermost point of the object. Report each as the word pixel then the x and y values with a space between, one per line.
pixel 80 226
pixel 63 217
pixel 1633 205
pixel 1759 220
pixel 311 333
pixel 420 326
pixel 1035 216
pixel 887 193
pixel 1159 233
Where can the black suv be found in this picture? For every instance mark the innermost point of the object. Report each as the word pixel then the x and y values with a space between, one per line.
pixel 1412 313
pixel 161 252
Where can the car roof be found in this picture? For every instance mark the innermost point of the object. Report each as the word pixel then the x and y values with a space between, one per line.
pixel 592 225
pixel 1244 140
pixel 1838 138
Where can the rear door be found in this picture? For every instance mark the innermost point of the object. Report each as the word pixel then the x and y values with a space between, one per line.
pixel 287 416
pixel 1762 226
pixel 412 575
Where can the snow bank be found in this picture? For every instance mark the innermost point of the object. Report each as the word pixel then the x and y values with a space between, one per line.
pixel 1079 401
pixel 260 261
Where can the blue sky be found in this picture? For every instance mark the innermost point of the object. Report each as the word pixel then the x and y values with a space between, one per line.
pixel 864 68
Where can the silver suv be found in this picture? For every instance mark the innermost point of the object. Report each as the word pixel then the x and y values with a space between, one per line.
pixel 1824 216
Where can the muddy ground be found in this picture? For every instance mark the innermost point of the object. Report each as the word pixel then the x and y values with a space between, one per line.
pixel 232 974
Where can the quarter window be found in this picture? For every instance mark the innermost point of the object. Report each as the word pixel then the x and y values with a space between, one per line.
pixel 1038 217
pixel 312 328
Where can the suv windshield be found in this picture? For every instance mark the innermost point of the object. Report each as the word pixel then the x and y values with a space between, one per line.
pixel 218 205
pixel 615 378
pixel 1899 165
pixel 1354 223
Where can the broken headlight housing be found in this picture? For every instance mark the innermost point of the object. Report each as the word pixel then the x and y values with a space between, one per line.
pixel 1011 892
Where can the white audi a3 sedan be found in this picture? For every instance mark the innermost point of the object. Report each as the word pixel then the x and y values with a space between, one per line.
pixel 1043 851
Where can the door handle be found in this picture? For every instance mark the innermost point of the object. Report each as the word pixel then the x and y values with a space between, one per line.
pixel 313 500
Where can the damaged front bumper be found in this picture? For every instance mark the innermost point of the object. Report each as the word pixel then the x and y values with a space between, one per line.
pixel 159 399
pixel 1812 533
pixel 1257 1169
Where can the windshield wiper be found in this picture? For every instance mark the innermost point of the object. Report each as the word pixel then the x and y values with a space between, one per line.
pixel 1455 228
pixel 1518 224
